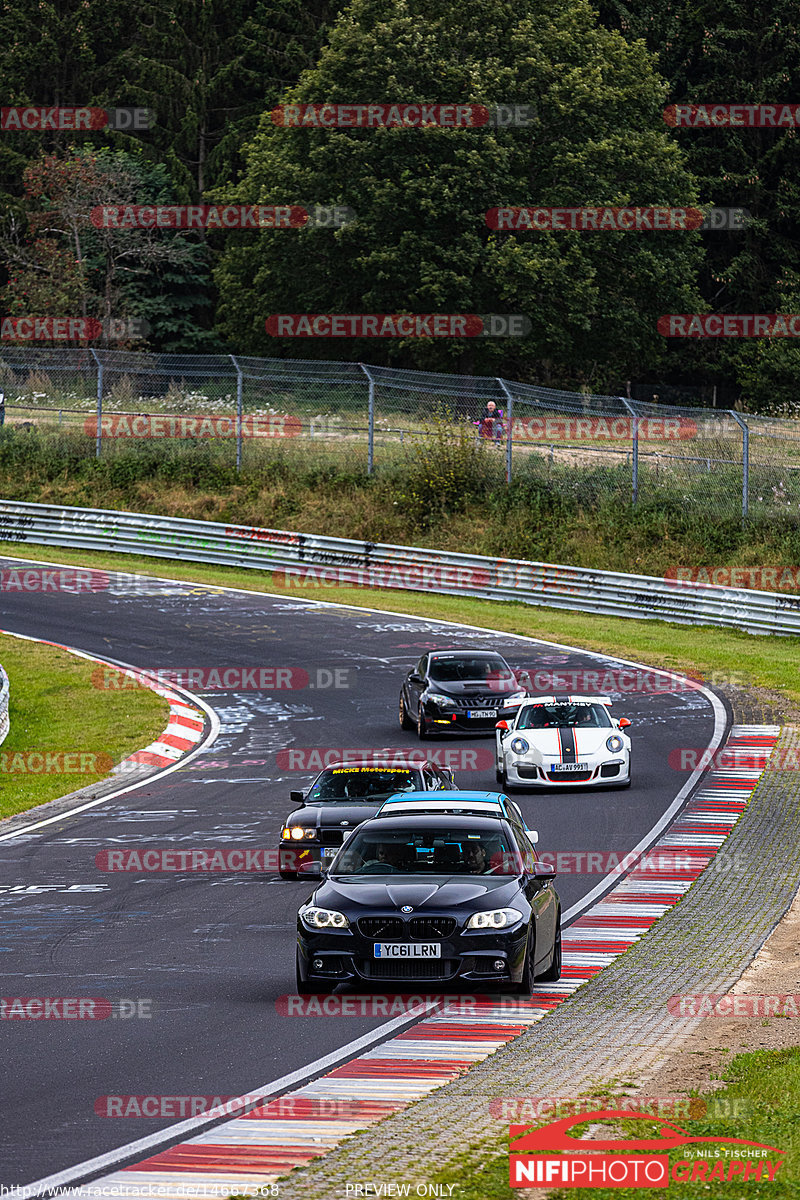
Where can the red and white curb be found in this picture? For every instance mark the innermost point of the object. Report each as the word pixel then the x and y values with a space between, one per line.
pixel 184 729
pixel 276 1135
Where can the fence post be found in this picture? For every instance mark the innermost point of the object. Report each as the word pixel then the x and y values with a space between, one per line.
pixel 509 434
pixel 371 422
pixel 635 450
pixel 238 413
pixel 745 428
pixel 99 438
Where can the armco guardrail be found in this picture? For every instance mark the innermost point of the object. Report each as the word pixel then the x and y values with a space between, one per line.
pixel 308 560
pixel 4 691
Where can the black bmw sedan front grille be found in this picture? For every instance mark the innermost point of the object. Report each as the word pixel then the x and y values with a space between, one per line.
pixel 393 929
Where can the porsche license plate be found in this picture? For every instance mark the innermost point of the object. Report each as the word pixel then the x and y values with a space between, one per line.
pixel 408 950
pixel 483 712
pixel 567 768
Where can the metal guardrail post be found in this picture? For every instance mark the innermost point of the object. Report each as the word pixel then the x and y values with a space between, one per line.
pixel 371 421
pixel 509 432
pixel 745 428
pixel 635 451
pixel 239 405
pixel 98 447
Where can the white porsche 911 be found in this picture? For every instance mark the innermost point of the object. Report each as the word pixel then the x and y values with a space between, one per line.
pixel 557 741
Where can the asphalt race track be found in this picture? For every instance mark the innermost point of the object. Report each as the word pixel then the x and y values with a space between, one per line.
pixel 213 952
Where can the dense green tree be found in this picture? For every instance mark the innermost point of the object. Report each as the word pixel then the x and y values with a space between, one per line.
pixel 732 52
pixel 420 242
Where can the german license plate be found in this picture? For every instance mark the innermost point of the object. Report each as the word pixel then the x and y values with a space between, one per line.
pixel 408 950
pixel 566 768
pixel 329 851
pixel 483 712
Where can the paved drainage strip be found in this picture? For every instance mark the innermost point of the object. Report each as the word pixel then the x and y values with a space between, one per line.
pixel 255 1149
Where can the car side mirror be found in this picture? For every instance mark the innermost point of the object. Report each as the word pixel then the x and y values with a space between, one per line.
pixel 543 870
pixel 624 722
pixel 313 869
pixel 502 725
pixel 415 677
pixel 296 798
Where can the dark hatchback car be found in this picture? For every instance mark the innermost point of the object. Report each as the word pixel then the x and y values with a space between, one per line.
pixel 342 796
pixel 431 899
pixel 460 691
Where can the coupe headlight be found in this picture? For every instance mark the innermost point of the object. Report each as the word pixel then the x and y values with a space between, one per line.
pixel 496 918
pixel 515 698
pixel 615 743
pixel 438 698
pixel 323 918
pixel 297 832
pixel 519 746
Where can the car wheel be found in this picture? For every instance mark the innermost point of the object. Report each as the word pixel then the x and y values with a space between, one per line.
pixel 525 985
pixel 553 972
pixel 422 726
pixel 405 719
pixel 306 988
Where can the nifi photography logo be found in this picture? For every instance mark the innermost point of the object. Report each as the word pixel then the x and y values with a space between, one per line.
pixel 552 1155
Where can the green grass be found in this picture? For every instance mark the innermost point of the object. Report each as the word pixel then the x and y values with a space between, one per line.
pixel 55 709
pixel 764 1086
pixel 719 655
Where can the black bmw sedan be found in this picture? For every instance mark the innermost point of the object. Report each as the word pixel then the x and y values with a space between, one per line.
pixel 432 898
pixel 460 691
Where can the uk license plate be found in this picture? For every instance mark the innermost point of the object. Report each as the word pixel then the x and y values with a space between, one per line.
pixel 408 950
pixel 483 712
pixel 567 768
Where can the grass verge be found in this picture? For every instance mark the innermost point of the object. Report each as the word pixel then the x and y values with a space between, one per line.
pixel 763 1098
pixel 721 656
pixel 55 710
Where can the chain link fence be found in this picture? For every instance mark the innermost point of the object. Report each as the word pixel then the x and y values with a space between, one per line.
pixel 249 412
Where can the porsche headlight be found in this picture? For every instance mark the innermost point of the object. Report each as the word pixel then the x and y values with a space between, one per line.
pixel 615 743
pixel 495 918
pixel 438 698
pixel 297 832
pixel 323 918
pixel 519 745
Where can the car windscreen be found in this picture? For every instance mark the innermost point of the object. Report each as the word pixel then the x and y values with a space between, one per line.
pixel 478 669
pixel 552 716
pixel 348 785
pixel 450 849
